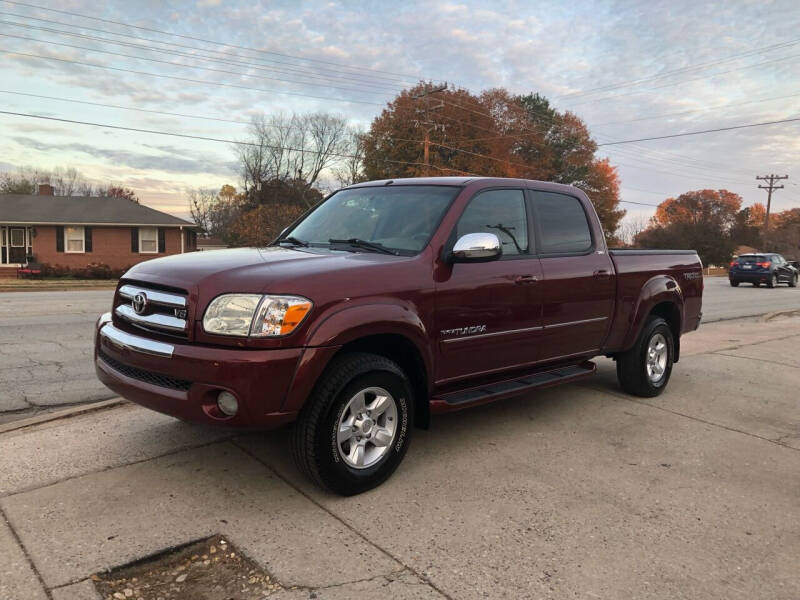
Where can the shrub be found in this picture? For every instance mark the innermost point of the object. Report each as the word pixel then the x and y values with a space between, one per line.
pixel 90 271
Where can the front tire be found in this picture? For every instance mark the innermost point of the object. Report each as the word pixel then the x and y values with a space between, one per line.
pixel 355 428
pixel 644 370
pixel 793 281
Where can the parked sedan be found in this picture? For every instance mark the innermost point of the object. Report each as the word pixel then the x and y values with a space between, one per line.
pixel 770 269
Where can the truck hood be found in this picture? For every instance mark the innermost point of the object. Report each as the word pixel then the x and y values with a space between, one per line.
pixel 253 270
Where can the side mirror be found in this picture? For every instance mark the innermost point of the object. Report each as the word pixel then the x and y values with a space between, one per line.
pixel 476 247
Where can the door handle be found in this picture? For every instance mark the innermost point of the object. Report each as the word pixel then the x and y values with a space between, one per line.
pixel 525 279
pixel 601 274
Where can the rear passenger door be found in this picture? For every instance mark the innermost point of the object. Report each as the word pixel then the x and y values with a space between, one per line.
pixel 577 286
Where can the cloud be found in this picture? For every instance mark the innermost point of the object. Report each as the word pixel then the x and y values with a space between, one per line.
pixel 171 160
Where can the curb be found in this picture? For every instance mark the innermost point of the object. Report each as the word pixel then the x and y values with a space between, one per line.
pixel 61 414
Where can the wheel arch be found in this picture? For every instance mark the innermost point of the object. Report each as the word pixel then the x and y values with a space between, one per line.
pixel 663 297
pixel 390 330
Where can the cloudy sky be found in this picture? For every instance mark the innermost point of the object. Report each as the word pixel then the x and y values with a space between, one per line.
pixel 629 69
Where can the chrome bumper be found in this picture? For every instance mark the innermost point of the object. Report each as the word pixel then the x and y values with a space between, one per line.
pixel 126 341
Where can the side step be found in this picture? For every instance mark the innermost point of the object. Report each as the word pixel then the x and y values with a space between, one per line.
pixel 510 387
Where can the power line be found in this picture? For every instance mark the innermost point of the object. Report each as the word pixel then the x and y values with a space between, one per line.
pixel 681 82
pixel 212 139
pixel 696 110
pixel 205 41
pixel 187 79
pixel 120 107
pixel 185 66
pixel 228 58
pixel 675 135
pixel 685 69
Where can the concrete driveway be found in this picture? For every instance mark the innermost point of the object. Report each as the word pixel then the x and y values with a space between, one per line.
pixel 572 492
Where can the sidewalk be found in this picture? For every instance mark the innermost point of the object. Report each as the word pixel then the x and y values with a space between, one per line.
pixel 573 492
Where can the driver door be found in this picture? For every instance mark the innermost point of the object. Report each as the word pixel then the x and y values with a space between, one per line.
pixel 488 314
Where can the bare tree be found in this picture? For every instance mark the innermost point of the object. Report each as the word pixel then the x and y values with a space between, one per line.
pixel 294 148
pixel 350 169
pixel 632 226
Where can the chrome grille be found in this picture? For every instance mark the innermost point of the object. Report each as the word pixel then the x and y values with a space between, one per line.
pixel 156 310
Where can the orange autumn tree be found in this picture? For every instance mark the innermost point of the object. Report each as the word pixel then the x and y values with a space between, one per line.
pixel 702 220
pixel 492 134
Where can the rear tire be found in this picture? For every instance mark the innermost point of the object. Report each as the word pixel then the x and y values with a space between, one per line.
pixel 773 281
pixel 362 400
pixel 644 370
pixel 734 283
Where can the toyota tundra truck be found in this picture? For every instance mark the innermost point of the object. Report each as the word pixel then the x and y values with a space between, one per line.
pixel 389 302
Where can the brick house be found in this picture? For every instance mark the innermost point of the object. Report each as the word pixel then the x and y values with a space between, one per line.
pixel 74 231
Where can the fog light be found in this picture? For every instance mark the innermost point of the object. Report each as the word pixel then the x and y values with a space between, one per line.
pixel 227 403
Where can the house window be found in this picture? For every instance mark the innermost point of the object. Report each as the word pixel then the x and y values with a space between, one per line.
pixel 75 240
pixel 148 240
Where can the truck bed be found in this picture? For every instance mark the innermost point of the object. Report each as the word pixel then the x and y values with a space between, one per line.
pixel 636 269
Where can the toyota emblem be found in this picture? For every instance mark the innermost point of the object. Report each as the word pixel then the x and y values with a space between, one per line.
pixel 140 304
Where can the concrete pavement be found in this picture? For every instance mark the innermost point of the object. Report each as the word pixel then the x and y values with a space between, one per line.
pixel 572 492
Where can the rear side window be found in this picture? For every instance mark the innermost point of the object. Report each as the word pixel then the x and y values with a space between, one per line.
pixel 562 224
pixel 501 212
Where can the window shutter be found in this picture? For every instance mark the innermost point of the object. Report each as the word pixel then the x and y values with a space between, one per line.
pixel 87 237
pixel 135 240
pixel 59 239
pixel 162 240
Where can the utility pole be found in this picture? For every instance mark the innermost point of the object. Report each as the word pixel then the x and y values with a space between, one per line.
pixel 426 122
pixel 771 178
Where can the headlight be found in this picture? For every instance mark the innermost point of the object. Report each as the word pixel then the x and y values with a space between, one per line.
pixel 255 315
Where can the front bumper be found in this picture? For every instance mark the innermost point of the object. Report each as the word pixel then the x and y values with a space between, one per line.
pixel 184 380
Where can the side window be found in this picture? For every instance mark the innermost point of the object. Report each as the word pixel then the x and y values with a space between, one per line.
pixel 562 224
pixel 501 212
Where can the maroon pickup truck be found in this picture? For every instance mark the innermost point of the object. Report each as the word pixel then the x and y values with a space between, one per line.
pixel 391 301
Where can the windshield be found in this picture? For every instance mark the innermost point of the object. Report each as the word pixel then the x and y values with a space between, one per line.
pixel 400 218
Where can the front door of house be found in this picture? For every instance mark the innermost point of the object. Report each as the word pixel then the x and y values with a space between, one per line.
pixel 16 250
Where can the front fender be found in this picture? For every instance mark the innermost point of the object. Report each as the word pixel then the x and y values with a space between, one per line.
pixel 348 325
pixel 659 289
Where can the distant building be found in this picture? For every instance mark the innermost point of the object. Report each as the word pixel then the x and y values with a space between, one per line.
pixel 74 231
pixel 210 243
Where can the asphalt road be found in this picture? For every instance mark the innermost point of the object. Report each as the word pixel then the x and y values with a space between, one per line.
pixel 46 340
pixel 575 492
pixel 46 350
pixel 721 301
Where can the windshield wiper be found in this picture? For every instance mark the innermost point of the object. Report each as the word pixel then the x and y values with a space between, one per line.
pixel 293 240
pixel 364 245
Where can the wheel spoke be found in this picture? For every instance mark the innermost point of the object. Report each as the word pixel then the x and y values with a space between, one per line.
pixel 345 433
pixel 357 453
pixel 379 406
pixel 382 437
pixel 358 404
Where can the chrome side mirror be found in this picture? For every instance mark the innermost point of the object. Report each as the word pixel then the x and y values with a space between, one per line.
pixel 476 247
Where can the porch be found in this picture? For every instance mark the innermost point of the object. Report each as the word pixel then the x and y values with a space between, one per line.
pixel 16 245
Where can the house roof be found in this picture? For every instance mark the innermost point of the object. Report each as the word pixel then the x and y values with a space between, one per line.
pixel 81 210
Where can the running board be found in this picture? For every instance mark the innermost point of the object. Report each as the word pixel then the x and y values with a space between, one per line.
pixel 510 387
